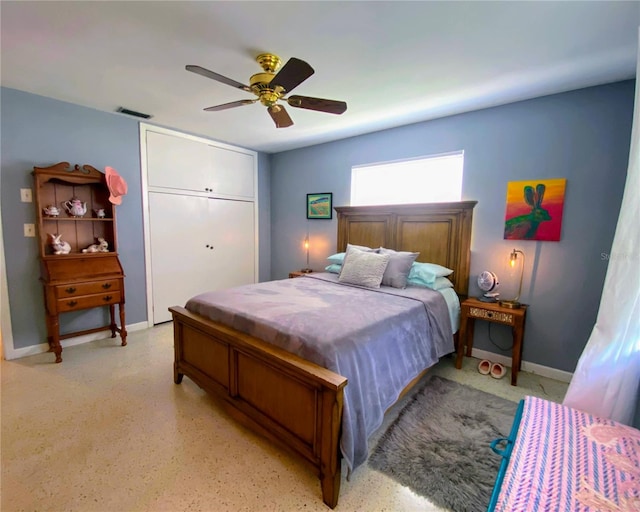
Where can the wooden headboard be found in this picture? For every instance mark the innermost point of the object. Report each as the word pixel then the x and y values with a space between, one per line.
pixel 440 232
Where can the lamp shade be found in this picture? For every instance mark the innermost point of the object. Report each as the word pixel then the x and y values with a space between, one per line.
pixel 514 261
pixel 306 244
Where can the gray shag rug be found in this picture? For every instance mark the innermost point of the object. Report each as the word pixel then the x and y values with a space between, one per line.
pixel 438 446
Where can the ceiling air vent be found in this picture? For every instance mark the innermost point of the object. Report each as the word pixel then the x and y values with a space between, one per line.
pixel 123 110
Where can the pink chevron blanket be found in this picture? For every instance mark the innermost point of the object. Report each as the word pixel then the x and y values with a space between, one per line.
pixel 565 460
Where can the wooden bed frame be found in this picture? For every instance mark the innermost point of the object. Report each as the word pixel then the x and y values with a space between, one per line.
pixel 285 398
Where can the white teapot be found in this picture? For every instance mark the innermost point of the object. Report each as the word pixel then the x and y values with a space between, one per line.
pixel 75 207
pixel 51 211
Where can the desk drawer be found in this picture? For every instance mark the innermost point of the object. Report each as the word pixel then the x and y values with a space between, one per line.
pixel 495 316
pixel 89 301
pixel 75 290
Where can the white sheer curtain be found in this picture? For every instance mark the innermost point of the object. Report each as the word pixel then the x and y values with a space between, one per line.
pixel 606 382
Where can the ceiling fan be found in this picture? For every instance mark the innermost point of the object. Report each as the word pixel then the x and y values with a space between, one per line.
pixel 271 87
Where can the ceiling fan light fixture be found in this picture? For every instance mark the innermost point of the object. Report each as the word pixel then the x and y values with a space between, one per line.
pixel 271 87
pixel 269 98
pixel 269 62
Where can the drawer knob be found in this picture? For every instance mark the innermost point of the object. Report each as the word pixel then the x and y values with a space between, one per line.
pixel 107 298
pixel 71 289
pixel 106 286
pixel 72 303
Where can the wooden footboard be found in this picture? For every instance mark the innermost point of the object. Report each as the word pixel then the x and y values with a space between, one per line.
pixel 279 395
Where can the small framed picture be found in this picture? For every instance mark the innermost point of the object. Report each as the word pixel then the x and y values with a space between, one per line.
pixel 319 206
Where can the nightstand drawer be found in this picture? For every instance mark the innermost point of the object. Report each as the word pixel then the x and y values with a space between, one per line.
pixel 75 290
pixel 495 316
pixel 88 301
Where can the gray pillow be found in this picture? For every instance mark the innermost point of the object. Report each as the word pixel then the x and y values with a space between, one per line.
pixel 363 268
pixel 398 268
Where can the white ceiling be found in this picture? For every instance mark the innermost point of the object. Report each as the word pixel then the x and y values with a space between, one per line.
pixel 392 62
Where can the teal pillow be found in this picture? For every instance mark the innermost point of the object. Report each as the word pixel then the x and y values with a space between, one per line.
pixel 334 268
pixel 337 258
pixel 426 273
pixel 440 283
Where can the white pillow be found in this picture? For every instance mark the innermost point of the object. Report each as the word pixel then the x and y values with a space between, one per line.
pixel 361 248
pixel 338 257
pixel 363 268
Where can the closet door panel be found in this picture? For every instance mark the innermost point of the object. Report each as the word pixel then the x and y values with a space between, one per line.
pixel 180 261
pixel 178 163
pixel 232 172
pixel 233 235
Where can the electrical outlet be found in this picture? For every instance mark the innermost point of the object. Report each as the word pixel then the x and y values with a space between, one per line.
pixel 25 195
pixel 30 230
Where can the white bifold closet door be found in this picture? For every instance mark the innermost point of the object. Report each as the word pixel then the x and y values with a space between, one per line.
pixel 198 244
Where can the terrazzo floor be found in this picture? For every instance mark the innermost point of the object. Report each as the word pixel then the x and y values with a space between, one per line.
pixel 108 430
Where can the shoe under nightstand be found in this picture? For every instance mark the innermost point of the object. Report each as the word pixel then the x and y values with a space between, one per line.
pixel 474 309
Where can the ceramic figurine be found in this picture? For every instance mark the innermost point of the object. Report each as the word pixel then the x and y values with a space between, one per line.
pixel 100 213
pixel 59 246
pixel 75 207
pixel 101 246
pixel 51 211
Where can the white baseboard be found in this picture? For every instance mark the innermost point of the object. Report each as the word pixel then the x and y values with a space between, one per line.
pixel 31 350
pixel 538 369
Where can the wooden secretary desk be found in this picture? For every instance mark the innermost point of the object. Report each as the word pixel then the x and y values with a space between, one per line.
pixel 77 280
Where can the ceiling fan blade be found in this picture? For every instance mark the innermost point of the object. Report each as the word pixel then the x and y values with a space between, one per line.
pixel 215 76
pixel 319 104
pixel 225 106
pixel 292 74
pixel 280 116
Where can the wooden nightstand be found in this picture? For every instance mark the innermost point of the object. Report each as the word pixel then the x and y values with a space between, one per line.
pixel 474 309
pixel 298 273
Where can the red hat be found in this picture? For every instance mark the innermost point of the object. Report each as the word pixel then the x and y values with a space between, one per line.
pixel 117 185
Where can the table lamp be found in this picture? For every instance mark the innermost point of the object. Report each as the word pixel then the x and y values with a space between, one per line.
pixel 306 247
pixel 513 259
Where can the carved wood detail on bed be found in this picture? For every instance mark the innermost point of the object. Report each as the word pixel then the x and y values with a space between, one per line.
pixel 283 397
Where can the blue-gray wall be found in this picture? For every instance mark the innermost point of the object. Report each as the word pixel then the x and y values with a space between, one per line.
pixel 582 136
pixel 38 131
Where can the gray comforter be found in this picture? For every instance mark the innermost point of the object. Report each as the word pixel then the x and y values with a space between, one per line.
pixel 378 339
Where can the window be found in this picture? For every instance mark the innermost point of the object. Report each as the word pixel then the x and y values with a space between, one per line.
pixel 433 179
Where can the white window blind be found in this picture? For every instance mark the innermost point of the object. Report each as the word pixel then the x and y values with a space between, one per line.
pixel 432 179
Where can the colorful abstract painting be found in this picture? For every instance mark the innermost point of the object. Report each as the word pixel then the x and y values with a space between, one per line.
pixel 534 209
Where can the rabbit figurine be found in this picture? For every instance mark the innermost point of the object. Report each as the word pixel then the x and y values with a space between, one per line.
pixel 58 245
pixel 101 246
pixel 524 227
